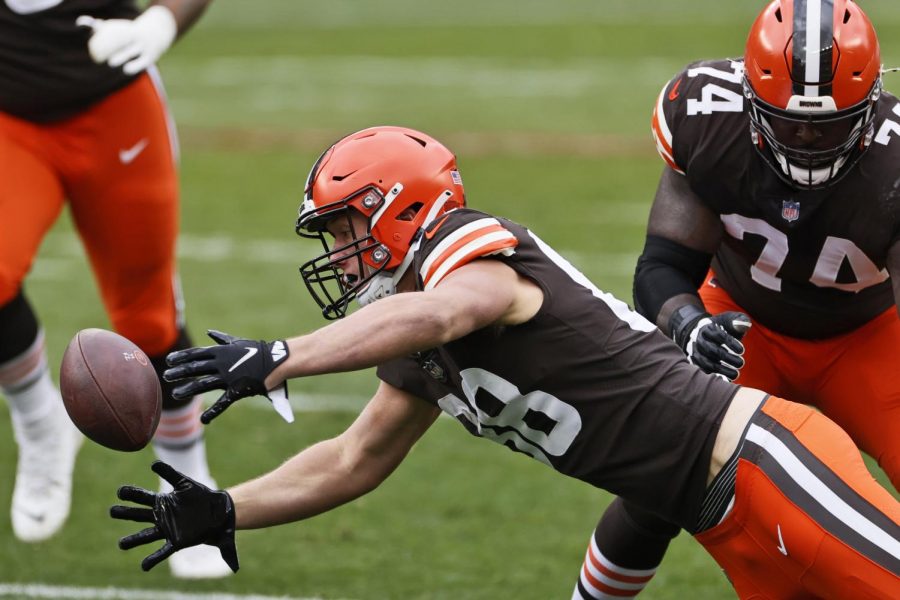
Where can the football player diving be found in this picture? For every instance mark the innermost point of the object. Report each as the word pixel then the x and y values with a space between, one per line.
pixel 779 205
pixel 474 315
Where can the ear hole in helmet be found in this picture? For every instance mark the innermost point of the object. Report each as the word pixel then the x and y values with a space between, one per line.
pixel 778 14
pixel 410 212
pixel 846 16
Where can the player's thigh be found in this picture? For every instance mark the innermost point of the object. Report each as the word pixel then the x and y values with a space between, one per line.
pixel 861 390
pixel 127 212
pixel 807 520
pixel 31 198
pixel 129 232
pixel 859 556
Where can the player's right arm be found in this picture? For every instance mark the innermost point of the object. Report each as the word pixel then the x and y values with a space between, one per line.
pixel 338 470
pixel 683 233
pixel 318 479
pixel 682 236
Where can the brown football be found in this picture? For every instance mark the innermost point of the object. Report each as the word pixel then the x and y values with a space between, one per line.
pixel 110 389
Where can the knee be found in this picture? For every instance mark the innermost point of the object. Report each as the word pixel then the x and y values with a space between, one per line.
pixel 18 327
pixel 10 286
pixel 151 331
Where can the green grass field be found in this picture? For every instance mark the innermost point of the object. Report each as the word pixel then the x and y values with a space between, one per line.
pixel 547 105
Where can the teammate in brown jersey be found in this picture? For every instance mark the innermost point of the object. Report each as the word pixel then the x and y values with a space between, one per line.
pixel 475 316
pixel 783 171
pixel 84 121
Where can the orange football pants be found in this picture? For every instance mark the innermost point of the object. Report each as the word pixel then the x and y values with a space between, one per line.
pixel 853 378
pixel 808 520
pixel 115 165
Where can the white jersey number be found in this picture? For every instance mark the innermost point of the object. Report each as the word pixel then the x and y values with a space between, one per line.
pixel 715 98
pixel 536 423
pixel 887 128
pixel 27 7
pixel 834 252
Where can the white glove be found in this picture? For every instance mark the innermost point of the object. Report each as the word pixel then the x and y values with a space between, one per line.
pixel 136 44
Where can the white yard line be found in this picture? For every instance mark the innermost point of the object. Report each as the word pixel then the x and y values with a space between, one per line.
pixel 39 590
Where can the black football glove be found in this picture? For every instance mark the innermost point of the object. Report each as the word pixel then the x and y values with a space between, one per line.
pixel 236 365
pixel 712 342
pixel 190 515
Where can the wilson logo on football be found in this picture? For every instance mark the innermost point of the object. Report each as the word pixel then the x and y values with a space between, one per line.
pixel 136 356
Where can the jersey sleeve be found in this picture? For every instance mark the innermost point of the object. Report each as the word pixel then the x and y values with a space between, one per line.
pixel 406 374
pixel 696 111
pixel 659 125
pixel 459 238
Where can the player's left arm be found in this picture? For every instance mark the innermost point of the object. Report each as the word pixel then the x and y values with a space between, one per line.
pixel 472 296
pixel 893 266
pixel 134 45
pixel 481 293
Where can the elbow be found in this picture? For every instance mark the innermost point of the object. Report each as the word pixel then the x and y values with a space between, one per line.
pixel 664 270
pixel 366 470
pixel 447 327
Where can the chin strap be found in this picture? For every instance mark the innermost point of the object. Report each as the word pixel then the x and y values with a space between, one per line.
pixel 384 284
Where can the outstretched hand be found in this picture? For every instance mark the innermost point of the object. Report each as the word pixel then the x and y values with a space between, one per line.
pixel 236 365
pixel 190 515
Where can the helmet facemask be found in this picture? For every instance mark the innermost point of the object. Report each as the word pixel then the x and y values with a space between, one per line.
pixel 810 149
pixel 330 286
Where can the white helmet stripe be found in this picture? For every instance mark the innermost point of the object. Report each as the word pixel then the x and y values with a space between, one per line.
pixel 813 46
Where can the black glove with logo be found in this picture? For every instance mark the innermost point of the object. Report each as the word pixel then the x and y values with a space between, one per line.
pixel 712 342
pixel 236 365
pixel 190 515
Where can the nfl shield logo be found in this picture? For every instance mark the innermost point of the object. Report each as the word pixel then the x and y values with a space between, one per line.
pixel 790 210
pixel 455 177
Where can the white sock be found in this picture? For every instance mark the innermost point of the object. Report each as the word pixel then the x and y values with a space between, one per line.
pixel 179 442
pixel 26 383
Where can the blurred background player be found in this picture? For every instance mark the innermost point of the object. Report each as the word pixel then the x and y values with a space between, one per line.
pixel 783 173
pixel 84 120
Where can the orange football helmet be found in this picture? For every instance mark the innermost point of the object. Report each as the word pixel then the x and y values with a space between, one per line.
pixel 400 180
pixel 812 74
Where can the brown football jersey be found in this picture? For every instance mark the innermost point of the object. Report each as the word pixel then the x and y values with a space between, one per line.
pixel 46 73
pixel 809 264
pixel 587 386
